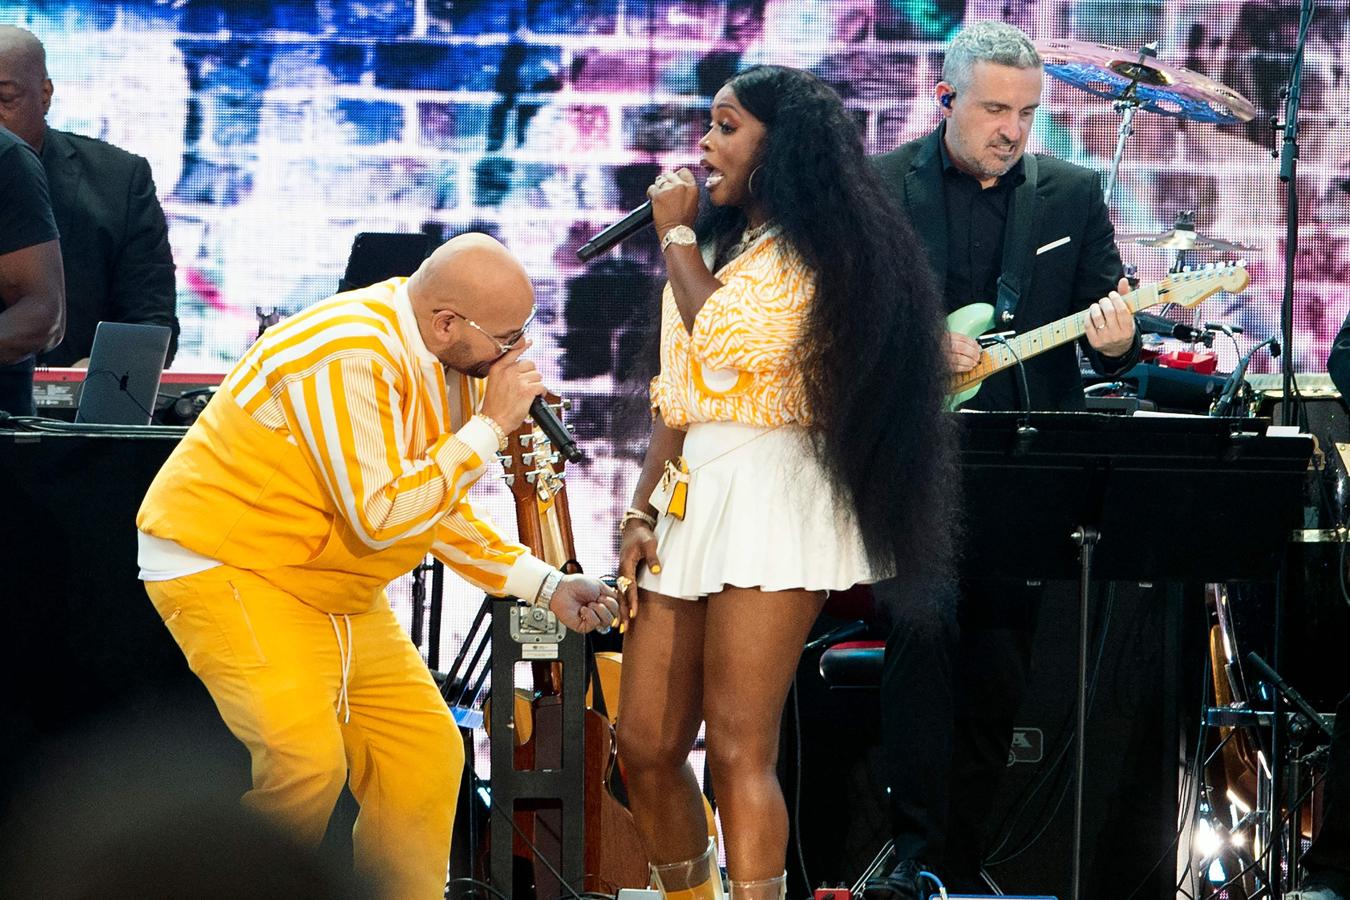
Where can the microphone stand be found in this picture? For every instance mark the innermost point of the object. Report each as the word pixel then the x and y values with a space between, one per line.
pixel 1288 156
pixel 1289 175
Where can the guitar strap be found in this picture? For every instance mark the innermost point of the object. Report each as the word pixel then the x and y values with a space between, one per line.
pixel 1017 238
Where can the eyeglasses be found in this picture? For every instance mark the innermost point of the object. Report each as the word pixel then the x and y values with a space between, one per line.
pixel 511 341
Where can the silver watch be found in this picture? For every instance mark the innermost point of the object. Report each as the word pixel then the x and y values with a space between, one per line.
pixel 545 596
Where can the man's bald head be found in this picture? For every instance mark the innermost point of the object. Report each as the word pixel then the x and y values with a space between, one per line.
pixel 470 278
pixel 25 89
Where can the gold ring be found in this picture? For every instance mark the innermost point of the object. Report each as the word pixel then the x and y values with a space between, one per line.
pixel 623 583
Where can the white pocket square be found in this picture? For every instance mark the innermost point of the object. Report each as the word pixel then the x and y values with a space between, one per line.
pixel 1052 245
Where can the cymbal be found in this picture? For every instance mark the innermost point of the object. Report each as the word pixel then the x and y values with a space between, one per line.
pixel 1162 88
pixel 1184 239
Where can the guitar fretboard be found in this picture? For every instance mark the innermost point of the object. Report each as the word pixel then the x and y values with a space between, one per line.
pixel 1000 356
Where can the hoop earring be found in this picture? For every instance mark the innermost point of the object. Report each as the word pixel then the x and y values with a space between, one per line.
pixel 750 182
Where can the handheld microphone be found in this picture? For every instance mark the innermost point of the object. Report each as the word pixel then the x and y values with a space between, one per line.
pixel 1150 324
pixel 621 230
pixel 555 430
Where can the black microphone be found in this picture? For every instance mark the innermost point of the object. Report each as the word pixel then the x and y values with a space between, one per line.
pixel 1224 405
pixel 621 230
pixel 1150 324
pixel 1271 677
pixel 555 430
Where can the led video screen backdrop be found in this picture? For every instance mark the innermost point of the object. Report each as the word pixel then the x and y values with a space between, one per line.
pixel 279 130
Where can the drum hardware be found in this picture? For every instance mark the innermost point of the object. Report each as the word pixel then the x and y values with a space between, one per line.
pixel 1135 81
pixel 1183 239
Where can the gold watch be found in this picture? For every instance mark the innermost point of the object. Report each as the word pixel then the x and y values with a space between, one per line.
pixel 680 234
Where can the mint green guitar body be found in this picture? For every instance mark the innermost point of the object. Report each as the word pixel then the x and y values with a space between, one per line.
pixel 972 321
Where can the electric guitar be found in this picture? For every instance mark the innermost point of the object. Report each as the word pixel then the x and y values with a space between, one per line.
pixel 1183 288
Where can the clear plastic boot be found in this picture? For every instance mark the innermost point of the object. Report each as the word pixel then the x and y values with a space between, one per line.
pixel 694 879
pixel 766 889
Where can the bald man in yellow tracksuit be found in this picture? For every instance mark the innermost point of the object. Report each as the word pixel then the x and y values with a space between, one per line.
pixel 336 454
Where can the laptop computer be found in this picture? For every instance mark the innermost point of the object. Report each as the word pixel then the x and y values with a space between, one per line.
pixel 123 377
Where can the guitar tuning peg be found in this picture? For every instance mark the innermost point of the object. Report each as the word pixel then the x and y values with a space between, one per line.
pixel 509 479
pixel 528 458
pixel 527 439
pixel 553 458
pixel 561 476
pixel 529 478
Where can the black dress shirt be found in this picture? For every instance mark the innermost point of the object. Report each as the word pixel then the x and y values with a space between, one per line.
pixel 976 220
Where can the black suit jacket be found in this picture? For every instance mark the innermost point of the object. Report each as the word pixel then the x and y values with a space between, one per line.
pixel 1062 280
pixel 114 242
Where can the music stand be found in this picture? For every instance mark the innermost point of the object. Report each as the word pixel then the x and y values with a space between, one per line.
pixel 1056 495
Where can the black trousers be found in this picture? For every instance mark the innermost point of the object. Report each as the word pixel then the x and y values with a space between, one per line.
pixel 1329 857
pixel 956 668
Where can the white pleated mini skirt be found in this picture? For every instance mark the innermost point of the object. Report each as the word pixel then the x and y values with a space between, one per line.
pixel 760 513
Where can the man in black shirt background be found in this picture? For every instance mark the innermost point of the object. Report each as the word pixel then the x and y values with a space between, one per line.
pixel 114 239
pixel 956 667
pixel 1327 861
pixel 32 291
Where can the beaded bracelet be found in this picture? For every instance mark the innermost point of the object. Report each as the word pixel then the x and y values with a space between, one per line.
pixel 497 429
pixel 634 514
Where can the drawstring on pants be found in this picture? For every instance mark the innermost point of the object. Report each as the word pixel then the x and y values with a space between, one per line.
pixel 345 656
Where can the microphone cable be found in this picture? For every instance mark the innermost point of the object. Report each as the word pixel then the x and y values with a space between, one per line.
pixel 1025 430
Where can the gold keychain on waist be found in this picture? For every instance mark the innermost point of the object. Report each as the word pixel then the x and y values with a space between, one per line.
pixel 671 494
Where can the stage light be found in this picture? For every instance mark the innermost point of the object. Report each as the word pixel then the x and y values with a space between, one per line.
pixel 1206 840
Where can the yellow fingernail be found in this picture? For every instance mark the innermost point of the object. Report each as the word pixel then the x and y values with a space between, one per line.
pixel 623 627
pixel 656 569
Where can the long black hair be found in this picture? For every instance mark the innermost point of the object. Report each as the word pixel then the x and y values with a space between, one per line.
pixel 870 356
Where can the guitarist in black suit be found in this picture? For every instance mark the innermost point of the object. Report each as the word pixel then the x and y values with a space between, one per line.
pixel 114 239
pixel 1033 233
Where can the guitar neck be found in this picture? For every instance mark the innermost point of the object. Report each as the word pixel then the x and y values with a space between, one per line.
pixel 1023 347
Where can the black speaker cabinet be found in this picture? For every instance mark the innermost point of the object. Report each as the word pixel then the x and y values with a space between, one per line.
pixel 1144 712
pixel 85 648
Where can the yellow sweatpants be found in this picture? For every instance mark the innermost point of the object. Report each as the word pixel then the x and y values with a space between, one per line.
pixel 274 667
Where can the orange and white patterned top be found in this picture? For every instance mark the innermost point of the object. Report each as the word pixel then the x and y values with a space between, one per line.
pixel 739 364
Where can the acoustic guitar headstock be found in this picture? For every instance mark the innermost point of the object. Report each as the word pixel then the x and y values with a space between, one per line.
pixel 533 466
